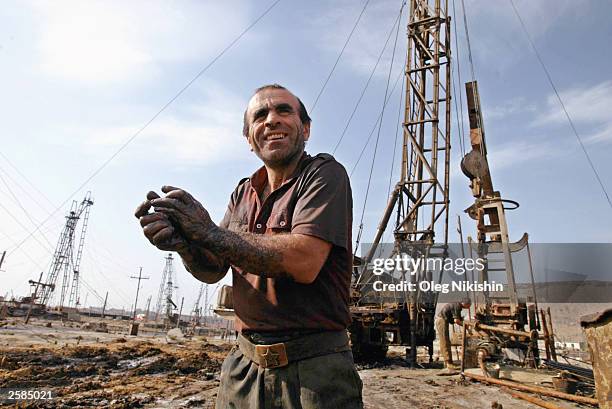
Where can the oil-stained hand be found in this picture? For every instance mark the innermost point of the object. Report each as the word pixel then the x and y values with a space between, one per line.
pixel 186 214
pixel 157 227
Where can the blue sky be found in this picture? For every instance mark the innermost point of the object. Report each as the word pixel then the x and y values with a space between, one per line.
pixel 78 79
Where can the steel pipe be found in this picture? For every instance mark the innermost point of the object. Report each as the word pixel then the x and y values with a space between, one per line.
pixel 534 389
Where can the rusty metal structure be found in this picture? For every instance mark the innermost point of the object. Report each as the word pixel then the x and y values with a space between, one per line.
pixel 420 199
pixel 166 288
pixel 501 319
pixel 65 261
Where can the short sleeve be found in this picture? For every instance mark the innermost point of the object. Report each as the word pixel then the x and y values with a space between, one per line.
pixel 324 206
pixel 225 222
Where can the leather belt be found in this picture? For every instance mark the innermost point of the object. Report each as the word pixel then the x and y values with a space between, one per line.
pixel 281 354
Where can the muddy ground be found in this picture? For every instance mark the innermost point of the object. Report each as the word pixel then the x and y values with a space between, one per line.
pixel 91 369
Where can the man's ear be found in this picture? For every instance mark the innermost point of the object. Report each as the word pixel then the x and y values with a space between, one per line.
pixel 306 127
pixel 248 141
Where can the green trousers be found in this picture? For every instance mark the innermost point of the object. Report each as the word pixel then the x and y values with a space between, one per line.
pixel 323 382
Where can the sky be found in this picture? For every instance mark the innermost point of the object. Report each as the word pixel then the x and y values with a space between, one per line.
pixel 80 79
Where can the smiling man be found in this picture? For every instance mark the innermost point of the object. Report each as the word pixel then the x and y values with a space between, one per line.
pixel 287 237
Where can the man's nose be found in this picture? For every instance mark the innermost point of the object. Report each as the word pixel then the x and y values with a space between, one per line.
pixel 272 119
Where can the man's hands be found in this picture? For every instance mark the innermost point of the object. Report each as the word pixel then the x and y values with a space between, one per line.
pixel 177 219
pixel 176 222
pixel 180 223
pixel 185 213
pixel 158 228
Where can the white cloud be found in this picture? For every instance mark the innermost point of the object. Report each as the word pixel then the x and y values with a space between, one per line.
pixel 204 133
pixel 604 134
pixel 510 107
pixel 111 41
pixel 505 46
pixel 588 106
pixel 583 104
pixel 510 155
pixel 333 27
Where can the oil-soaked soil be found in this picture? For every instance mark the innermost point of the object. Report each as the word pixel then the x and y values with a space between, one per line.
pixel 86 369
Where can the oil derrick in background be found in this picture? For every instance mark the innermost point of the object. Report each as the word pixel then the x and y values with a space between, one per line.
pixel 64 261
pixel 166 288
pixel 501 318
pixel 196 313
pixel 420 199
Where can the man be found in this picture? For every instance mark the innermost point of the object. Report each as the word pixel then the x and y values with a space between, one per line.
pixel 287 237
pixel 449 314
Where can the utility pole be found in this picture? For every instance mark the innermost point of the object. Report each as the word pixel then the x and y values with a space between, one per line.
pixel 139 278
pixel 148 308
pixel 104 306
pixel 178 319
pixel 2 259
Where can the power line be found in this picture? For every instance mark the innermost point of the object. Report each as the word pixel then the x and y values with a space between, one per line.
pixel 29 182
pixel 399 75
pixel 476 103
pixel 569 119
pixel 7 211
pixel 365 87
pixel 399 125
pixel 339 56
pixel 460 124
pixel 365 201
pixel 162 109
pixel 32 220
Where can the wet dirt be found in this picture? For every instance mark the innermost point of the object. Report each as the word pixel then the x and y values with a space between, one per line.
pixel 130 374
pixel 85 370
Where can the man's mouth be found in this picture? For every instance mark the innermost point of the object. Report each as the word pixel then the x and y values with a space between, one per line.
pixel 276 136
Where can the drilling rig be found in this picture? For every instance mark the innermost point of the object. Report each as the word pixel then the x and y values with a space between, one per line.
pixel 420 200
pixel 166 289
pixel 500 319
pixel 65 261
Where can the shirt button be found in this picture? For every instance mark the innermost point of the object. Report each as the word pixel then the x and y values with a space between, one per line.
pixel 258 225
pixel 282 223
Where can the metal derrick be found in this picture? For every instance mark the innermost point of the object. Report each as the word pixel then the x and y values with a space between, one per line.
pixel 166 288
pixel 420 204
pixel 500 320
pixel 420 199
pixel 64 260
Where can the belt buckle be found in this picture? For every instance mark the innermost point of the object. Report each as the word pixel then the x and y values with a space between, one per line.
pixel 271 356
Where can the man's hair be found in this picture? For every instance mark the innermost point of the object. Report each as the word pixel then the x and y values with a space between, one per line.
pixel 304 117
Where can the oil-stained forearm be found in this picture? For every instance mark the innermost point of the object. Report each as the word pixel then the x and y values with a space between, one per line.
pixel 255 253
pixel 203 265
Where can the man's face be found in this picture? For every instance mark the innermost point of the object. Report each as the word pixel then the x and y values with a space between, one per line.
pixel 276 133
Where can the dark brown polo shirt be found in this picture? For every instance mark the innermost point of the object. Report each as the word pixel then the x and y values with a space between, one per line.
pixel 316 201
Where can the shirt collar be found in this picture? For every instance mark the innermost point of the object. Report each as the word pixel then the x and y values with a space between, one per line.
pixel 260 177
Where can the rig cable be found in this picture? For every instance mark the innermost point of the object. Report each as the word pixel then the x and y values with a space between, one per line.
pixel 382 112
pixel 569 119
pixel 339 56
pixel 365 87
